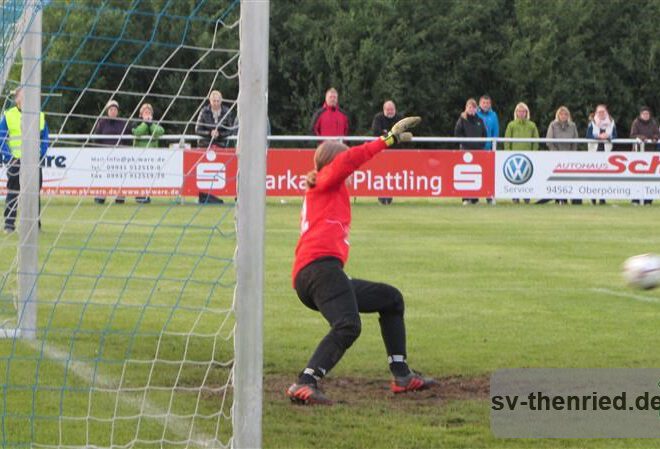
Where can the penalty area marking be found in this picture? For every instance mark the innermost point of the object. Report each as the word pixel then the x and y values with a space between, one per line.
pixel 87 373
pixel 626 295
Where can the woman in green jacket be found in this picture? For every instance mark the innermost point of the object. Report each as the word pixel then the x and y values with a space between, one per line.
pixel 146 135
pixel 520 127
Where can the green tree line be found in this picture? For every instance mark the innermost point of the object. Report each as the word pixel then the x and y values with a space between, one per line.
pixel 429 56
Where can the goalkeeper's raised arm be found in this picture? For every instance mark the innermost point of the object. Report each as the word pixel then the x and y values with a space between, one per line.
pixel 340 161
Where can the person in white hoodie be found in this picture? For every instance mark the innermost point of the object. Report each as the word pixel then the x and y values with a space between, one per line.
pixel 602 128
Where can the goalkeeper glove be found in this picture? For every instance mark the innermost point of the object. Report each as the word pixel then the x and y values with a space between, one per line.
pixel 399 132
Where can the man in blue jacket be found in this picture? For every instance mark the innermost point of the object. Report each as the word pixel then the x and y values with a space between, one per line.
pixel 489 117
pixel 11 151
pixel 486 113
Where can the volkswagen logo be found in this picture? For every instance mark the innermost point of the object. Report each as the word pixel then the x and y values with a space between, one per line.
pixel 518 169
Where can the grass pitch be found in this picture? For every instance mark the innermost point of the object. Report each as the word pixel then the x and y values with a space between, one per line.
pixel 485 288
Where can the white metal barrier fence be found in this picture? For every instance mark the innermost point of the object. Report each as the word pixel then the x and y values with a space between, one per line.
pixel 636 144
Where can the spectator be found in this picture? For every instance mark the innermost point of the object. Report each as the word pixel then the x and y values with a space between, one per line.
pixel 562 127
pixel 11 149
pixel 490 119
pixel 521 127
pixel 492 122
pixel 470 125
pixel 384 120
pixel 110 125
pixel 381 125
pixel 330 120
pixel 214 122
pixel 213 125
pixel 645 128
pixel 146 135
pixel 603 128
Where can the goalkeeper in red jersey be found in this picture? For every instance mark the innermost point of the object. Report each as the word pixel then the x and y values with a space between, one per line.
pixel 319 278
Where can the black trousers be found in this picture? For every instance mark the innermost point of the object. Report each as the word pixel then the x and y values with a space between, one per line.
pixel 323 286
pixel 13 189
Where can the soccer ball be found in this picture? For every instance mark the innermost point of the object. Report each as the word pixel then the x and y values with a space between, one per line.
pixel 642 271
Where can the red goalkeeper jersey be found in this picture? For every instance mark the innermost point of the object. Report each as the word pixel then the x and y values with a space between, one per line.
pixel 325 219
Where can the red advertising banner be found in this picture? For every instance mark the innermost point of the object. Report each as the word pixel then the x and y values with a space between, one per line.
pixel 412 173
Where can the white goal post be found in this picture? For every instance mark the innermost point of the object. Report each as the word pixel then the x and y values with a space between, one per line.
pixel 252 146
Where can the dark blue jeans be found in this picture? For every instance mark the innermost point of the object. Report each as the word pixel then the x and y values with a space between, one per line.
pixel 323 286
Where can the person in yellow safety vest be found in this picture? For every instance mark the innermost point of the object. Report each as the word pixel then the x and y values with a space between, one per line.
pixel 11 151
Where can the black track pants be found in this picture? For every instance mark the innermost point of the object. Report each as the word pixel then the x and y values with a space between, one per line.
pixel 323 286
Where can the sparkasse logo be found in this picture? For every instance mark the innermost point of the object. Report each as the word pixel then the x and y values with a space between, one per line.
pixel 518 169
pixel 211 175
pixel 468 176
